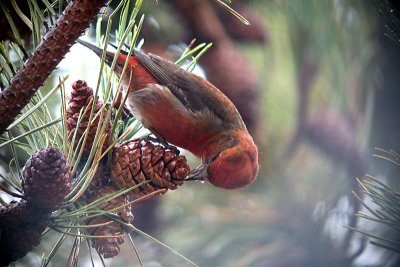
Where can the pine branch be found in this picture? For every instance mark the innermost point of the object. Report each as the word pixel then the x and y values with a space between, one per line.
pixel 385 209
pixel 71 24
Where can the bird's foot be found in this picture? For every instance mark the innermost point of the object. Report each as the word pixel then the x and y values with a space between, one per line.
pixel 160 139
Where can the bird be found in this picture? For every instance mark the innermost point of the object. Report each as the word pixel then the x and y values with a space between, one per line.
pixel 185 110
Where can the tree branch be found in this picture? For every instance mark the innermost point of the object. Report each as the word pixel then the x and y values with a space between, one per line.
pixel 71 24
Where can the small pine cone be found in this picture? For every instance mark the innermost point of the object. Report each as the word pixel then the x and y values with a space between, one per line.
pixel 21 227
pixel 46 178
pixel 100 178
pixel 107 246
pixel 81 96
pixel 136 161
pixel 124 212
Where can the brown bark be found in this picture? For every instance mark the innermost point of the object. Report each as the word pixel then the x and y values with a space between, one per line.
pixel 71 24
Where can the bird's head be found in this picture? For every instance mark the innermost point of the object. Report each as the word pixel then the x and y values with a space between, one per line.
pixel 232 167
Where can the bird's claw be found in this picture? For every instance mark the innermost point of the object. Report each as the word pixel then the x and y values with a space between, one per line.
pixel 160 139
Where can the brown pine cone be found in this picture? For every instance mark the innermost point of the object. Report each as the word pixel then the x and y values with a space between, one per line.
pixel 100 178
pixel 109 246
pixel 124 212
pixel 21 227
pixel 106 246
pixel 81 96
pixel 46 178
pixel 140 160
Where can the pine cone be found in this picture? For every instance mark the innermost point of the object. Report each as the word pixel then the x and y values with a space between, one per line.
pixel 100 178
pixel 125 212
pixel 45 178
pixel 109 246
pixel 21 227
pixel 137 161
pixel 81 96
pixel 106 246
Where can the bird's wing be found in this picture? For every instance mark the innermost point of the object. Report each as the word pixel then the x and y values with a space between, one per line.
pixel 165 72
pixel 195 93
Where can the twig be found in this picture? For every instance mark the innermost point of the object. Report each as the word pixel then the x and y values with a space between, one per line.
pixel 71 24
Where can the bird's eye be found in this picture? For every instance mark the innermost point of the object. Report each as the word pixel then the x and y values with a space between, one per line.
pixel 232 141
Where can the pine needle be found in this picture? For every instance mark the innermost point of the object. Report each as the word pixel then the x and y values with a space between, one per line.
pixel 173 251
pixel 136 251
pixel 31 132
pixel 39 104
pixel 387 213
pixel 234 12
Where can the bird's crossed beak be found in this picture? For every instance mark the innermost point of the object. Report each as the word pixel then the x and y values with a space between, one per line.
pixel 199 174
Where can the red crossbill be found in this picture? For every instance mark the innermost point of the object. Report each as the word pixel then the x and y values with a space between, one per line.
pixel 188 111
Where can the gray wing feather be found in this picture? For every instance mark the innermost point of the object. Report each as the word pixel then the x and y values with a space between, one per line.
pixel 192 90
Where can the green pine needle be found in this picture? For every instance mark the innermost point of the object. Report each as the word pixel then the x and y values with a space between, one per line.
pixel 387 205
pixel 234 12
